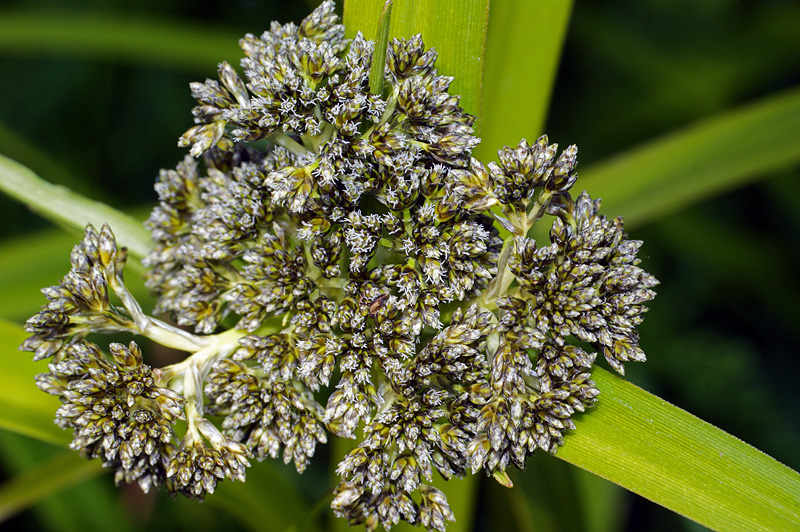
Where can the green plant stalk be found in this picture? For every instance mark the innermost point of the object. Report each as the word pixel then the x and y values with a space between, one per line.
pixel 679 461
pixel 376 73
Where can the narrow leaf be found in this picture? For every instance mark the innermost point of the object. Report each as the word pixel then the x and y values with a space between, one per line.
pixel 707 158
pixel 178 45
pixel 62 471
pixel 456 29
pixel 70 209
pixel 675 459
pixel 23 407
pixel 523 48
pixel 376 73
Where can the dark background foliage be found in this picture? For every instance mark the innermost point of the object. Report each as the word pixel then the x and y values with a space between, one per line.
pixel 722 335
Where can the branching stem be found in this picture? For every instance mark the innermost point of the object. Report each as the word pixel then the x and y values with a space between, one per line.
pixel 155 329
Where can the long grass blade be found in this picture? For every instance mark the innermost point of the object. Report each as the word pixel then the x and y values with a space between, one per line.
pixel 70 209
pixel 679 461
pixel 703 160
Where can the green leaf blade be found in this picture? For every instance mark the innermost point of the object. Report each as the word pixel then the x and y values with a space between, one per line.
pixel 671 457
pixel 70 209
pixel 456 29
pixel 705 159
pixel 523 48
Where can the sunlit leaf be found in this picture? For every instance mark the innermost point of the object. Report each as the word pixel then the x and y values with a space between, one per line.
pixel 523 48
pixel 456 29
pixel 671 457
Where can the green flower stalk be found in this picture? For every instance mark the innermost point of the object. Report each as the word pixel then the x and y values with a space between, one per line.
pixel 346 267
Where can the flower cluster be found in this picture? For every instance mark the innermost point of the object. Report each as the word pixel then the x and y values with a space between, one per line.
pixel 325 236
pixel 80 303
pixel 116 409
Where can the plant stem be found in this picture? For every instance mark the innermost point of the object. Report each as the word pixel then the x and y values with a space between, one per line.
pixel 155 329
pixel 499 285
pixel 284 140
pixel 218 346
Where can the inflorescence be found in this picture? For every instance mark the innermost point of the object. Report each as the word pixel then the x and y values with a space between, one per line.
pixel 347 267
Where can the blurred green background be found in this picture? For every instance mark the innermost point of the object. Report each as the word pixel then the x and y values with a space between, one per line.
pixel 722 337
